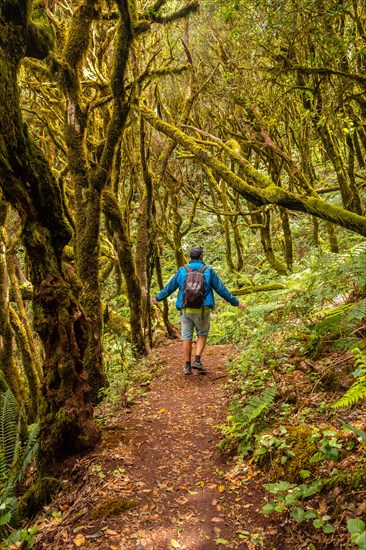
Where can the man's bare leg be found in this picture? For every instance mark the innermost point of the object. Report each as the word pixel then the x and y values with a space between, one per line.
pixel 187 350
pixel 201 344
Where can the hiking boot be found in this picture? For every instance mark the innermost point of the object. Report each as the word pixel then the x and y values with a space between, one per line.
pixel 200 367
pixel 187 369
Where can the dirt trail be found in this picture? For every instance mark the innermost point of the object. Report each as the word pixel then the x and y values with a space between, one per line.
pixel 157 480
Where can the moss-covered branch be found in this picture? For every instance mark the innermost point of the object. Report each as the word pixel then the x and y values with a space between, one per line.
pixel 151 15
pixel 252 187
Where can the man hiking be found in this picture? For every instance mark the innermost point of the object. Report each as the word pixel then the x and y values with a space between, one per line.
pixel 196 283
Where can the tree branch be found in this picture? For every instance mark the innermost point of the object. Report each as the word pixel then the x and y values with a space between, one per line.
pixel 258 188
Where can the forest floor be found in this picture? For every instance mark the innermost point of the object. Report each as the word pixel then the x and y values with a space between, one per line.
pixel 157 479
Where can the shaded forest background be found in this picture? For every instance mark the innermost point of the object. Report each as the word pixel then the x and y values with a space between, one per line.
pixel 132 130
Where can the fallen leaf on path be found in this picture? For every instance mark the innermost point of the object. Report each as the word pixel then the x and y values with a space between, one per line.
pixel 79 540
pixel 217 520
pixel 181 500
pixel 175 543
pixel 221 541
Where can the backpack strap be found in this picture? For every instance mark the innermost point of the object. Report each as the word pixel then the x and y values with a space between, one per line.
pixel 197 269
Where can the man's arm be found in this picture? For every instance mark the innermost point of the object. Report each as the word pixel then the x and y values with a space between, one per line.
pixel 223 291
pixel 169 288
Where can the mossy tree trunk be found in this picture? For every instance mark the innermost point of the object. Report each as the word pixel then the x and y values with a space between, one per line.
pixel 87 187
pixel 30 340
pixel 146 238
pixel 66 413
pixel 287 236
pixel 7 363
pixel 171 330
pixel 229 254
pixel 349 193
pixel 128 267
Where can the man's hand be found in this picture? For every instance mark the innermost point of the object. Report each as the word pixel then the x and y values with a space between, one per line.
pixel 241 306
pixel 153 301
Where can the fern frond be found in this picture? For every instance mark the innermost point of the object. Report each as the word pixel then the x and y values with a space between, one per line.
pixel 355 314
pixel 360 359
pixel 258 404
pixel 29 451
pixel 10 427
pixel 357 391
pixel 359 267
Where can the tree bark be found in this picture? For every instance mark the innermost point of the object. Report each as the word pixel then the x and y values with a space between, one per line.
pixel 66 413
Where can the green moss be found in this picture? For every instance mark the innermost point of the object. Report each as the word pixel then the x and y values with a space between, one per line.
pixel 42 33
pixel 112 507
pixel 302 447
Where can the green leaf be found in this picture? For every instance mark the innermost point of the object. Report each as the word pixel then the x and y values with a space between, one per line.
pixel 279 487
pixel 361 541
pixel 298 514
pixel 355 525
pixel 317 457
pixel 310 514
pixel 268 508
pixel 309 490
pixel 318 523
pixel 5 518
pixel 328 528
pixel 221 541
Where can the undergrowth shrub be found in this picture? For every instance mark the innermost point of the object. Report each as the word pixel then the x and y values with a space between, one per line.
pixel 245 422
pixel 18 446
pixel 357 391
pixel 321 311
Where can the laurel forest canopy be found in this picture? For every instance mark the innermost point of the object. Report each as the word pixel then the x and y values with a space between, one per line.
pixel 131 129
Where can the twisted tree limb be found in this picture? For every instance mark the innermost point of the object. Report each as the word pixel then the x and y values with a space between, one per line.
pixel 258 188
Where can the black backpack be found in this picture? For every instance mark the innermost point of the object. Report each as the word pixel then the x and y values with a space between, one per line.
pixel 194 287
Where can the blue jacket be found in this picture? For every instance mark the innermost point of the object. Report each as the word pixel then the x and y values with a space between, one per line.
pixel 212 282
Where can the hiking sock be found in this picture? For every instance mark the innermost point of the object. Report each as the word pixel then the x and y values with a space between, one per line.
pixel 188 364
pixel 197 359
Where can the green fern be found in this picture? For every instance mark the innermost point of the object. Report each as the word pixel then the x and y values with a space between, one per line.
pixel 258 404
pixel 359 266
pixel 357 391
pixel 17 449
pixel 29 451
pixel 10 432
pixel 246 421
pixel 355 314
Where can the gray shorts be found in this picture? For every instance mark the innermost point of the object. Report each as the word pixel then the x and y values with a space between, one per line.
pixel 191 321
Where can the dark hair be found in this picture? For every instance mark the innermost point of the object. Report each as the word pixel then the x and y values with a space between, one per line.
pixel 196 252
